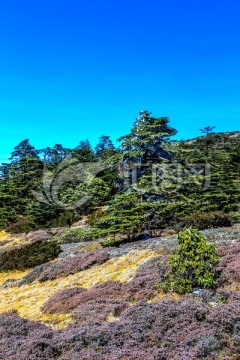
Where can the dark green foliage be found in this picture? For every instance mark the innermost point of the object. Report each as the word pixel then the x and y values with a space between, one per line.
pixel 42 214
pixel 19 178
pixel 28 255
pixel 207 130
pixel 113 242
pixel 20 225
pixel 192 265
pixel 148 183
pixel 83 152
pixel 105 147
pixel 145 143
pixel 123 216
pixel 130 212
pixel 53 156
pixel 95 216
pixel 66 218
pixel 205 220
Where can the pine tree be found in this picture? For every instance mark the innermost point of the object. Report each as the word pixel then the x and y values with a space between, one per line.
pixel 53 156
pixel 83 152
pixel 104 147
pixel 19 179
pixel 145 143
pixel 131 211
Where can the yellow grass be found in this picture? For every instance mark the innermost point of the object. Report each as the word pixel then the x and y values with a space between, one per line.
pixel 112 318
pixel 29 299
pixel 3 236
pixel 90 247
pixel 13 241
pixel 163 296
pixel 15 275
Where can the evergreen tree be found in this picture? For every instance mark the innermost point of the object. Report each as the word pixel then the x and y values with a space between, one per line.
pixel 207 130
pixel 104 147
pixel 145 143
pixel 25 169
pixel 53 156
pixel 130 212
pixel 19 178
pixel 83 152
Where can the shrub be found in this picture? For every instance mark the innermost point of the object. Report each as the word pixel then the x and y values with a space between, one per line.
pixel 73 264
pixel 163 330
pixel 110 290
pixel 75 235
pixel 98 310
pixel 143 285
pixel 113 242
pixel 230 262
pixel 21 225
pixel 61 300
pixel 32 275
pixel 95 216
pixel 192 265
pixel 29 255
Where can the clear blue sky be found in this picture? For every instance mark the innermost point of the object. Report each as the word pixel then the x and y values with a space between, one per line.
pixel 82 68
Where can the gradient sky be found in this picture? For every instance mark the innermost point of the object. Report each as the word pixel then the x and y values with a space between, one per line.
pixel 83 68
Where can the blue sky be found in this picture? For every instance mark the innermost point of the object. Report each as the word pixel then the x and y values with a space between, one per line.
pixel 83 68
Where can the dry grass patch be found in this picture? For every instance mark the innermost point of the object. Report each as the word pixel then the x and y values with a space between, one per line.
pixel 10 240
pixel 12 275
pixel 29 299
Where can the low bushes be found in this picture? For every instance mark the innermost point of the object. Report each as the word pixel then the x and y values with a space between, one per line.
pixel 167 329
pixel 230 263
pixel 98 310
pixel 73 264
pixel 110 290
pixel 141 287
pixel 74 235
pixel 61 300
pixel 28 255
pixel 67 266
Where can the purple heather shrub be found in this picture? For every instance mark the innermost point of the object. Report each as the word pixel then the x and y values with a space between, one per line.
pixel 143 284
pixel 37 349
pixel 98 311
pixel 11 325
pixel 24 339
pixel 168 329
pixel 141 287
pixel 225 317
pixel 230 262
pixel 127 354
pixel 62 300
pixel 73 264
pixel 187 329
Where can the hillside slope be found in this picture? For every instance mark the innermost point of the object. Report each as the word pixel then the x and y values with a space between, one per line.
pixel 104 304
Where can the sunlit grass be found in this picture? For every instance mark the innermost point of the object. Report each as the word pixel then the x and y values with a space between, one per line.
pixel 12 241
pixel 15 275
pixel 29 299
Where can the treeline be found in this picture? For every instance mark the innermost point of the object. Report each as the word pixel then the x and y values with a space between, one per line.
pixel 150 182
pixel 23 178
